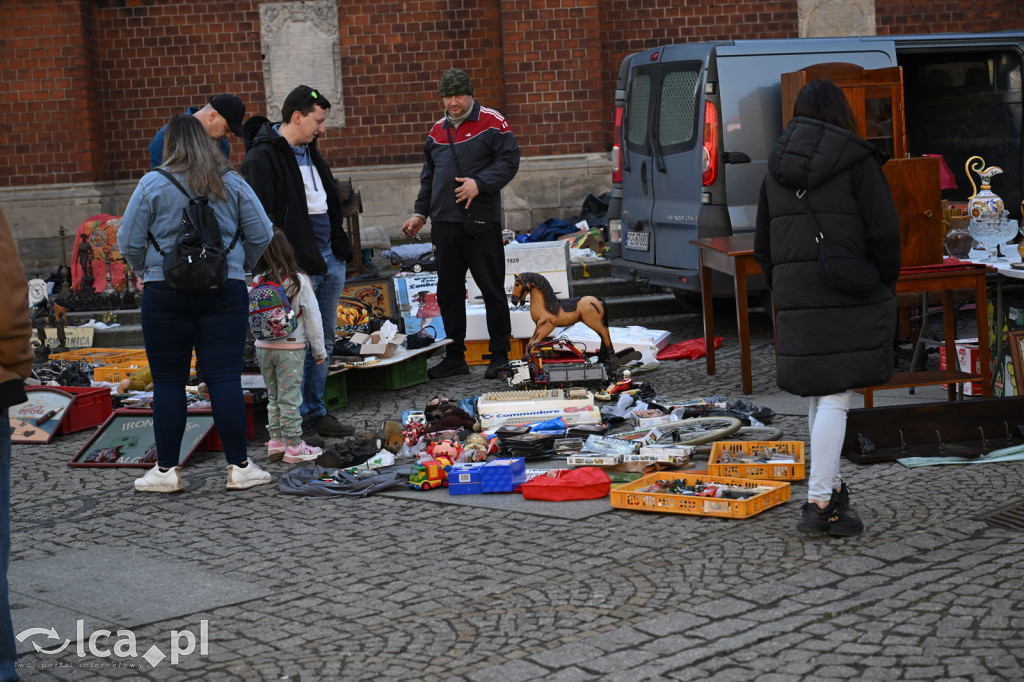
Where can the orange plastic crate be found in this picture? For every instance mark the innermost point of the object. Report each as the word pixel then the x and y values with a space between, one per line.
pixel 116 372
pixel 634 496
pixel 477 350
pixel 71 355
pixel 721 451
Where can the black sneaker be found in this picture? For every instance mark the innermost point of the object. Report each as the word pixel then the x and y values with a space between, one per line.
pixel 496 367
pixel 329 427
pixel 842 499
pixel 830 520
pixel 452 365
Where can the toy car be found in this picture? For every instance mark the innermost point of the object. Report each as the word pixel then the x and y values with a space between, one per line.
pixel 432 473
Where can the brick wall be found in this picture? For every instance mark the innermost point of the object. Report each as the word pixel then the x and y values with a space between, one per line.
pixel 88 82
pixel 947 16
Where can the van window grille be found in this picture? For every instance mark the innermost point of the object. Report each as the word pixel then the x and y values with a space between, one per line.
pixel 639 108
pixel 677 121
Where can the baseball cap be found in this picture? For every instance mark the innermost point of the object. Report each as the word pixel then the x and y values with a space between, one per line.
pixel 232 109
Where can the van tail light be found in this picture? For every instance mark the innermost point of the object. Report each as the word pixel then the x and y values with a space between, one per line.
pixel 616 149
pixel 710 144
pixel 614 230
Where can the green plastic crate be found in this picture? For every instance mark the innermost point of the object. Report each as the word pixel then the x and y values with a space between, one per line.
pixel 336 391
pixel 390 377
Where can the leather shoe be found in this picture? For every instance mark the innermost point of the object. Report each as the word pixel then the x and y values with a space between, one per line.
pixel 329 427
pixel 452 365
pixel 496 365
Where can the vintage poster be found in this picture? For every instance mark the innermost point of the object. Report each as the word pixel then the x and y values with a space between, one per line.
pixel 126 440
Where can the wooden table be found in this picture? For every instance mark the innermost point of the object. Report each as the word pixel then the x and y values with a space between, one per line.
pixel 735 257
pixel 946 281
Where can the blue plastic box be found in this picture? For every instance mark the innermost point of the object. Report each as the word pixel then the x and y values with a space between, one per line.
pixel 503 475
pixel 464 479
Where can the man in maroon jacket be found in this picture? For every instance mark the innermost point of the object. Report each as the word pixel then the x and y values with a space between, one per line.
pixel 470 154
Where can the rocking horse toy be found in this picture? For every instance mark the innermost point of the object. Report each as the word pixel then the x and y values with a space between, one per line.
pixel 548 311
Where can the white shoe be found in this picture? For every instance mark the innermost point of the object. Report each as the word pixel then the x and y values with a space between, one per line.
pixel 240 478
pixel 301 453
pixel 156 481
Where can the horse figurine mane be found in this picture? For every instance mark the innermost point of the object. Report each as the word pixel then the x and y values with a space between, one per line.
pixel 548 311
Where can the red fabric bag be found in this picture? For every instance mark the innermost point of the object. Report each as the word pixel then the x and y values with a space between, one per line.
pixel 693 349
pixel 586 483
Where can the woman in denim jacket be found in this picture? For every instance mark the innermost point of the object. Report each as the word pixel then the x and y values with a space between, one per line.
pixel 175 322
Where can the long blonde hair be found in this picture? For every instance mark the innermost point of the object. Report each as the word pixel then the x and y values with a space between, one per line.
pixel 189 151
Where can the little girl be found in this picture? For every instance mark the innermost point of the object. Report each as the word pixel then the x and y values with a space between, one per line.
pixel 281 360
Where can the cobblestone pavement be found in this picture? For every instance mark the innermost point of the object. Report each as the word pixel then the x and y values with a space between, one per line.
pixel 395 587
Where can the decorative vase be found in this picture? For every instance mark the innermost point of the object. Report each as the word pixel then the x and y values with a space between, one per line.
pixel 958 240
pixel 983 201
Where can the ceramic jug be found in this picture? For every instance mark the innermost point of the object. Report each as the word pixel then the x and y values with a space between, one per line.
pixel 984 201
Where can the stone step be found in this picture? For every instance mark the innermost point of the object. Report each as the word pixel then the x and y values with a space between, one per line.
pixel 123 336
pixel 609 287
pixel 649 305
pixel 123 316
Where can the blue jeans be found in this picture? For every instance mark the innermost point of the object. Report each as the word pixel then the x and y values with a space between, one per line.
pixel 215 324
pixel 8 650
pixel 328 289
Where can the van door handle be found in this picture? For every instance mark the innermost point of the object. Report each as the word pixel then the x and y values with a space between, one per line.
pixel 643 177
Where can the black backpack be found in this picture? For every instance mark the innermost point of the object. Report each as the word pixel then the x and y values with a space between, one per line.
pixel 197 262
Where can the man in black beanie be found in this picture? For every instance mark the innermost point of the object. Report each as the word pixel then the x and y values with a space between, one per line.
pixel 470 155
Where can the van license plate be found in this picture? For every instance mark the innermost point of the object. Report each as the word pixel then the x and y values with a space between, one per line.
pixel 638 241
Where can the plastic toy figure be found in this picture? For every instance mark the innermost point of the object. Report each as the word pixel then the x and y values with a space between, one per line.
pixel 412 431
pixel 621 386
pixel 475 449
pixel 448 448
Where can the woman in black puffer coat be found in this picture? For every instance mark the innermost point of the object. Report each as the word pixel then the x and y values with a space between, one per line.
pixel 827 342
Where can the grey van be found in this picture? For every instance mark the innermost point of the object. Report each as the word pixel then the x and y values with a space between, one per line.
pixel 695 122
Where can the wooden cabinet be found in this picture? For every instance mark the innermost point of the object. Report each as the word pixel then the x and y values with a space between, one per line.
pixel 875 95
pixel 876 98
pixel 915 188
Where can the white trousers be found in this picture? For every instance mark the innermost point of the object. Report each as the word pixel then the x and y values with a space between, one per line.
pixel 826 420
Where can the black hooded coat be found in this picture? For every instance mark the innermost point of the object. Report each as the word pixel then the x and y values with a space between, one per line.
pixel 826 341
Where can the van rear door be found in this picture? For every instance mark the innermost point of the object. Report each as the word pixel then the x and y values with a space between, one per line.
pixel 677 133
pixel 659 147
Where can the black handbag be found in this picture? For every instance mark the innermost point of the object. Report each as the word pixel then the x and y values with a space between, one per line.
pixel 480 214
pixel 840 268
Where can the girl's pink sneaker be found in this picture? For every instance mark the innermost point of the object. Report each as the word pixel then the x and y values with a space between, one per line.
pixel 275 449
pixel 300 453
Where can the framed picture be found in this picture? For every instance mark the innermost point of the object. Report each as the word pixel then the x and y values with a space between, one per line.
pixel 38 419
pixel 126 439
pixel 1013 376
pixel 378 294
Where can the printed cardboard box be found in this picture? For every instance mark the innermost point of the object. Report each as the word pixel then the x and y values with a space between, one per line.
pixel 371 344
pixel 416 296
pixel 550 259
pixel 969 359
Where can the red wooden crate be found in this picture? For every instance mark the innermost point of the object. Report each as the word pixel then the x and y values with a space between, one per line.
pixel 90 407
